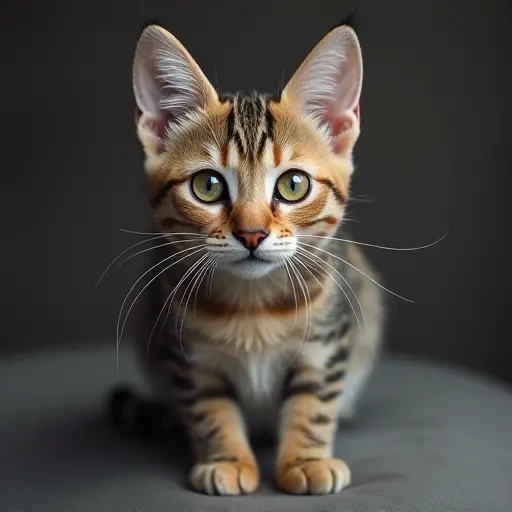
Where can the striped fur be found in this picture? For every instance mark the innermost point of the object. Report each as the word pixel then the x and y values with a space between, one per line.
pixel 261 337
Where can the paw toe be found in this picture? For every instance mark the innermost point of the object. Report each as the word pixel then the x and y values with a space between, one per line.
pixel 326 476
pixel 224 478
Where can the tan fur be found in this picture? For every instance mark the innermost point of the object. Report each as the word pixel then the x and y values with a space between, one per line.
pixel 243 320
pixel 244 333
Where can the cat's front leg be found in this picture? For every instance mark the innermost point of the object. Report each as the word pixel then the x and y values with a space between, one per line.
pixel 225 464
pixel 308 422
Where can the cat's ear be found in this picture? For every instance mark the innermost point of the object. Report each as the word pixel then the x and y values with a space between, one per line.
pixel 168 84
pixel 327 86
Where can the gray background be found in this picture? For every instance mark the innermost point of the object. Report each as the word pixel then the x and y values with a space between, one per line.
pixel 434 155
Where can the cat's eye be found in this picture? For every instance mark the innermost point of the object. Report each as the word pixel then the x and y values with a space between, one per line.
pixel 208 186
pixel 292 186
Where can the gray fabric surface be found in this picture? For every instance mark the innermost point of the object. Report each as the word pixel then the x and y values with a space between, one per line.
pixel 428 438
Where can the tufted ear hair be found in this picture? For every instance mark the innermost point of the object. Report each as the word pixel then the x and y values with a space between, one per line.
pixel 168 84
pixel 327 86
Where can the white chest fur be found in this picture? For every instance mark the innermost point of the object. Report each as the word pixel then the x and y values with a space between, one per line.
pixel 258 380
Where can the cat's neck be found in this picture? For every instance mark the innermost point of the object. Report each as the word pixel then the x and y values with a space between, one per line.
pixel 281 290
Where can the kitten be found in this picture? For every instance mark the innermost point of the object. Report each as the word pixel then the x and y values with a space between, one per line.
pixel 260 325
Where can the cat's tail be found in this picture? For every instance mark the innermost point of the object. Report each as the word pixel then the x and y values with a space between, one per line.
pixel 140 416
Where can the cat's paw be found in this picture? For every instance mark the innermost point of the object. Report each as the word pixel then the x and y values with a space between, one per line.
pixel 324 476
pixel 225 478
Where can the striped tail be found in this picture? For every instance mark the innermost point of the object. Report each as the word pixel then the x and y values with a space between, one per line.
pixel 140 416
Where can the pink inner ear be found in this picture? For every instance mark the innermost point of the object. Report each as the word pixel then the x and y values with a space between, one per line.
pixel 341 123
pixel 342 129
pixel 157 126
pixel 152 129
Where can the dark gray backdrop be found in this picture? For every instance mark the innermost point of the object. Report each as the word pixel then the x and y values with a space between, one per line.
pixel 433 155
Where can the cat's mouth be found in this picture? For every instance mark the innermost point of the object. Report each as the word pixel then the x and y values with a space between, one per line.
pixel 251 266
pixel 252 259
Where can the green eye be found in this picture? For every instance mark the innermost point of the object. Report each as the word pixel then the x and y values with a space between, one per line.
pixel 208 186
pixel 292 186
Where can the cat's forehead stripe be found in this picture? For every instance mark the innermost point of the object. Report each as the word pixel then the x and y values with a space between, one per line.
pixel 250 123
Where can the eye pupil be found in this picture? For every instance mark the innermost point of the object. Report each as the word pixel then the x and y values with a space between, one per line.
pixel 295 180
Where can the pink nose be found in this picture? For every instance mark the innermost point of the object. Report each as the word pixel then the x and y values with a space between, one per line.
pixel 251 239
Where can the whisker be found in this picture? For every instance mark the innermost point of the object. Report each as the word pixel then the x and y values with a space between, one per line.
pixel 185 293
pixel 199 274
pixel 294 292
pixel 215 260
pixel 156 236
pixel 158 233
pixel 189 272
pixel 208 266
pixel 119 334
pixel 170 298
pixel 307 254
pixel 152 248
pixel 298 260
pixel 360 199
pixel 308 302
pixel 358 270
pixel 310 269
pixel 346 220
pixel 377 246
pixel 212 276
pixel 197 285
pixel 124 252
pixel 307 299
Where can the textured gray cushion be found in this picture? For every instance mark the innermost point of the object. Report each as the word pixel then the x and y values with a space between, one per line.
pixel 428 438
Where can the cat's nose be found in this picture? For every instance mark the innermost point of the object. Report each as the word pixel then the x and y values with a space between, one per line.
pixel 252 238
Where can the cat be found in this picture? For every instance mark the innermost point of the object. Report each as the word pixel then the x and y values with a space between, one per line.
pixel 261 297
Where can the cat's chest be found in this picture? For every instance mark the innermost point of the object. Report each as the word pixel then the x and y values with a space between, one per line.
pixel 258 380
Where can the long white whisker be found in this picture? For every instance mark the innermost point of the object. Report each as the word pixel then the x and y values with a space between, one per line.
pixel 155 236
pixel 176 288
pixel 119 335
pixel 309 323
pixel 307 254
pixel 298 260
pixel 124 252
pixel 192 280
pixel 170 298
pixel 358 270
pixel 376 246
pixel 208 285
pixel 307 299
pixel 199 274
pixel 152 248
pixel 212 268
pixel 213 275
pixel 148 233
pixel 158 233
pixel 208 267
pixel 204 272
pixel 294 292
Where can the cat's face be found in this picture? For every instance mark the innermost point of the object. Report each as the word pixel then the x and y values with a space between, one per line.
pixel 255 175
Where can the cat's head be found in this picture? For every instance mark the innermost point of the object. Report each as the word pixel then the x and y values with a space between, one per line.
pixel 254 174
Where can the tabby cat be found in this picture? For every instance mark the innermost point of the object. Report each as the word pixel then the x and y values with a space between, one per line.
pixel 261 298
